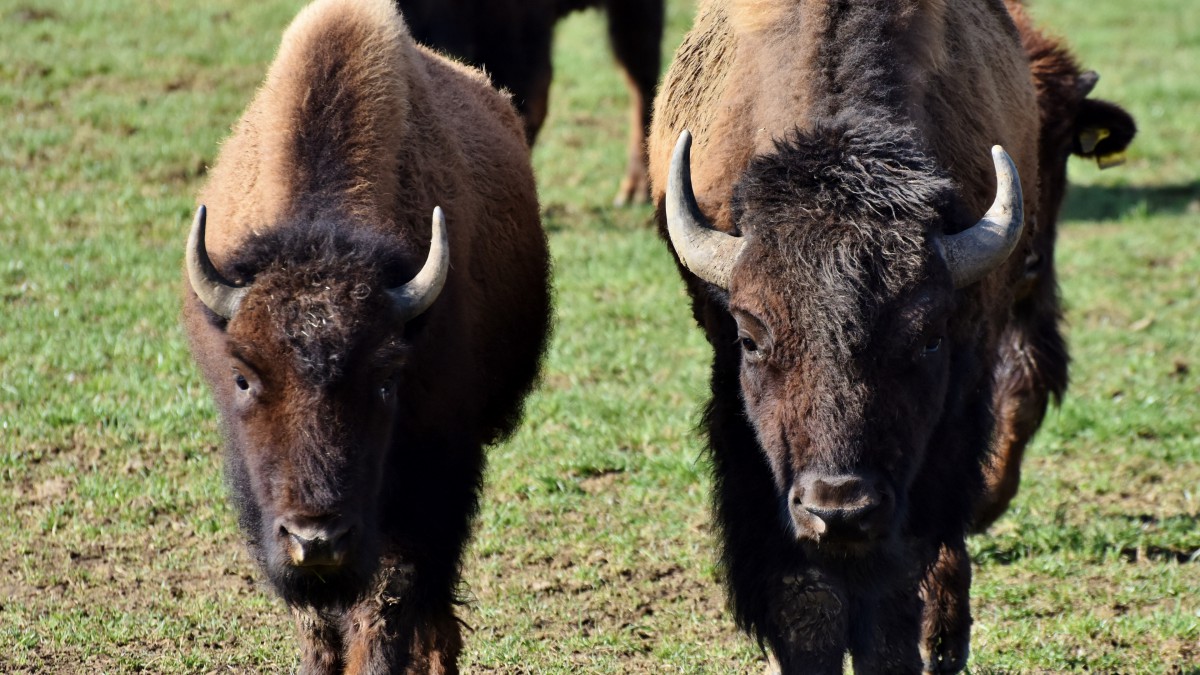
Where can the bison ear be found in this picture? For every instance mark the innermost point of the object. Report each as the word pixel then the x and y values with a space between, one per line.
pixel 1103 131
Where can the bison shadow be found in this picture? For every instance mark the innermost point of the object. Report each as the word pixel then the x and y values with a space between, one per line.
pixel 1099 203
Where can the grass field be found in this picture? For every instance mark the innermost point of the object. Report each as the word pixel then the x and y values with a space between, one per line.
pixel 594 551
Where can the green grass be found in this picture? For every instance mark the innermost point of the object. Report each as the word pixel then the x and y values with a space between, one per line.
pixel 594 551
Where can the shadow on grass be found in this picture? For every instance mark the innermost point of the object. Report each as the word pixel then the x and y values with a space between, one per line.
pixel 1162 540
pixel 1102 203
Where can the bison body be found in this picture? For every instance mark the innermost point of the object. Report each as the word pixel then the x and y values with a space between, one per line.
pixel 362 359
pixel 828 226
pixel 512 40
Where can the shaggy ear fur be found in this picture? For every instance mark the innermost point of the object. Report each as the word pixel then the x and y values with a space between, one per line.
pixel 1103 130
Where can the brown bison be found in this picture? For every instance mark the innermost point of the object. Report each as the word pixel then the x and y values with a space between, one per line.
pixel 511 40
pixel 1033 362
pixel 854 252
pixel 360 358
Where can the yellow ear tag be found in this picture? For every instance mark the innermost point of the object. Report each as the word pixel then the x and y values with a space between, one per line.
pixel 1090 137
pixel 1109 161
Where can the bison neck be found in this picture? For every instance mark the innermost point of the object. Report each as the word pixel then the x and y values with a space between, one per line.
pixel 327 131
pixel 821 58
pixel 752 71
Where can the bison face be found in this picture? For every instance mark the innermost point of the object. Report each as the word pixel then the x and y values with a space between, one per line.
pixel 311 445
pixel 842 289
pixel 308 366
pixel 1074 123
pixel 844 387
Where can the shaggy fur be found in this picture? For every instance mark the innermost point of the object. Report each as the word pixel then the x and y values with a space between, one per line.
pixel 841 138
pixel 512 39
pixel 332 406
pixel 840 179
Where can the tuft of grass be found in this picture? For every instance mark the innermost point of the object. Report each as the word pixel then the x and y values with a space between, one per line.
pixel 594 551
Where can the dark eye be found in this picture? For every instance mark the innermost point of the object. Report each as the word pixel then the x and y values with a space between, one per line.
pixel 749 345
pixel 933 345
pixel 387 390
pixel 241 382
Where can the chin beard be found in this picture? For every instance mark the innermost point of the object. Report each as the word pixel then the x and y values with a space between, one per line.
pixel 320 588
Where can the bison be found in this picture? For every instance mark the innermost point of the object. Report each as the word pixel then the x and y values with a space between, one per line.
pixel 511 39
pixel 854 253
pixel 361 351
pixel 1033 364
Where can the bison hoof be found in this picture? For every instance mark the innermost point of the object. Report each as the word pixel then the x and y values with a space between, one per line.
pixel 633 190
pixel 949 658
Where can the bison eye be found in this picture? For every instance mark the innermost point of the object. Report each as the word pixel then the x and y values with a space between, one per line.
pixel 933 345
pixel 387 390
pixel 241 382
pixel 748 345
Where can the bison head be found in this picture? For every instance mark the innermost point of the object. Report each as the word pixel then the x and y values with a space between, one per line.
pixel 307 367
pixel 842 284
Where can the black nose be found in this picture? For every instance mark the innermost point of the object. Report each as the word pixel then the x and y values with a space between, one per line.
pixel 841 507
pixel 316 542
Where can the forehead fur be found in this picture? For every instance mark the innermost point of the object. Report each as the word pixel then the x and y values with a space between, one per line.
pixel 845 190
pixel 320 290
pixel 839 215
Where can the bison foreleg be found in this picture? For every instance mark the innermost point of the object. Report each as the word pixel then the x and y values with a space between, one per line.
pixel 946 620
pixel 386 634
pixel 809 624
pixel 635 29
pixel 887 632
pixel 320 642
pixel 1032 368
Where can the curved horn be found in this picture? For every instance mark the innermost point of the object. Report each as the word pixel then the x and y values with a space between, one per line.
pixel 979 249
pixel 1086 82
pixel 217 293
pixel 707 252
pixel 419 293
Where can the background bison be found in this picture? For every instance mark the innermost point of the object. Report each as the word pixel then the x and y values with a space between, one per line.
pixel 1033 367
pixel 364 361
pixel 511 40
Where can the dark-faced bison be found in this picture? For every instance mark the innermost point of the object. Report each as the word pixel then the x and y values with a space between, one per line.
pixel 360 357
pixel 511 40
pixel 854 246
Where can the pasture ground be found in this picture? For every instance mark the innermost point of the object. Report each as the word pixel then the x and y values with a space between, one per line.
pixel 594 551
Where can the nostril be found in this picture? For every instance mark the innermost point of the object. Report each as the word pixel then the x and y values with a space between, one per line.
pixel 843 519
pixel 315 542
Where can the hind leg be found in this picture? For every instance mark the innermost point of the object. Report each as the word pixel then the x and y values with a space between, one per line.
pixel 635 29
pixel 946 617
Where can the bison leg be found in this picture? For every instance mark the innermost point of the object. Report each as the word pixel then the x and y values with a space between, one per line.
pixel 946 619
pixel 808 625
pixel 886 634
pixel 635 29
pixel 320 642
pixel 534 102
pixel 387 633
pixel 1032 367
